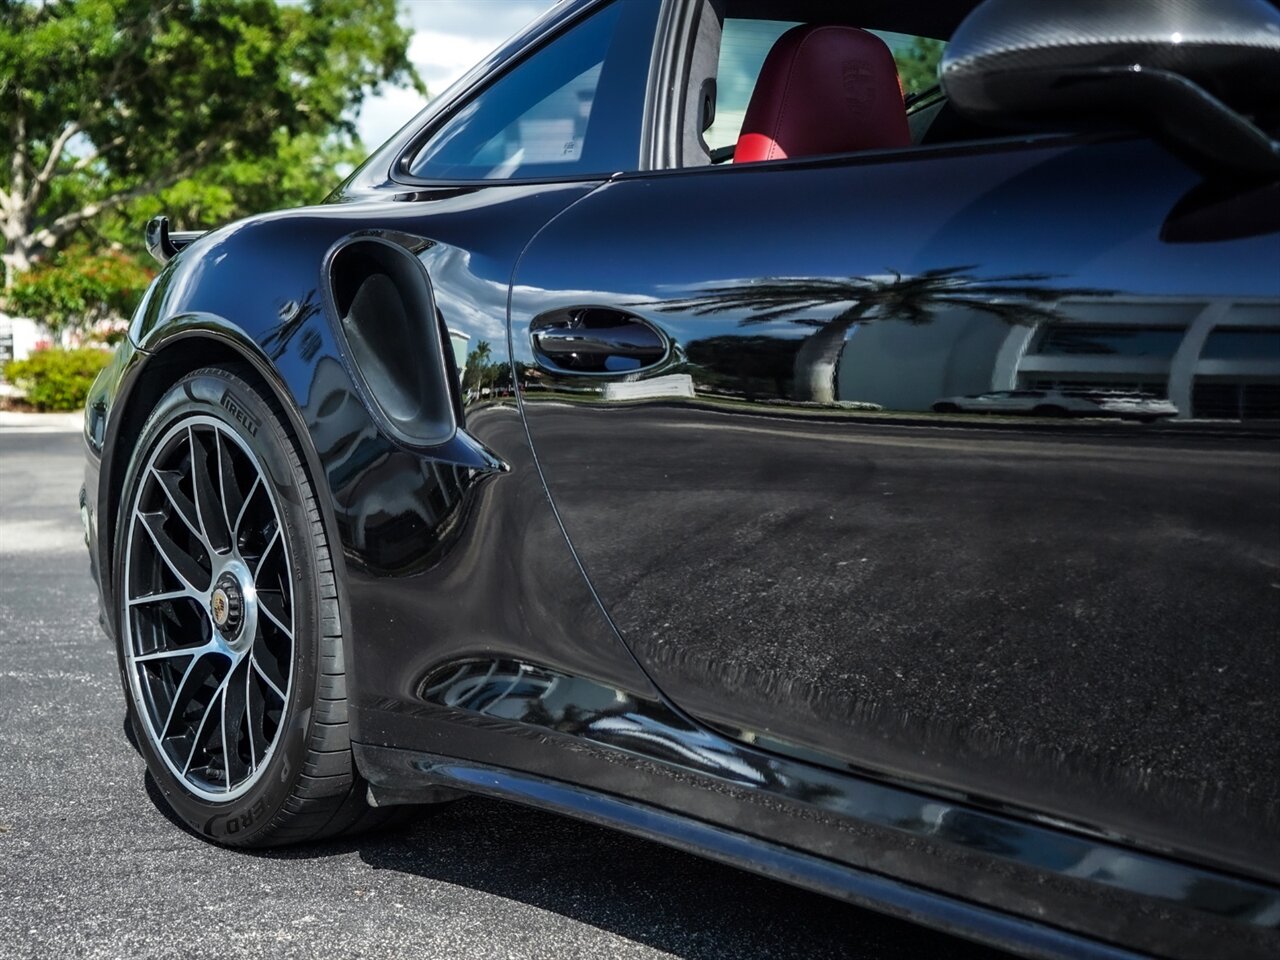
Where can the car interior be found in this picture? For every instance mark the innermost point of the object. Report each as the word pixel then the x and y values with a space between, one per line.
pixel 769 81
pixel 760 79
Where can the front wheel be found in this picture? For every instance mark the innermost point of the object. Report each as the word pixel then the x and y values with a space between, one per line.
pixel 230 642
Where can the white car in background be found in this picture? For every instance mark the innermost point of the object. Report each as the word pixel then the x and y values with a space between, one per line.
pixel 1128 405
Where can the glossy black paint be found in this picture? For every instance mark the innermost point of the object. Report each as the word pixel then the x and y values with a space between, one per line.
pixel 588 711
pixel 520 716
pixel 1009 719
pixel 1020 613
pixel 414 523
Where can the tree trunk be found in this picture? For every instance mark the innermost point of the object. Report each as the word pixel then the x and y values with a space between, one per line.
pixel 15 261
pixel 817 358
pixel 17 251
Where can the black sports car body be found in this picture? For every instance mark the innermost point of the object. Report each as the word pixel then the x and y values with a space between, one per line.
pixel 582 450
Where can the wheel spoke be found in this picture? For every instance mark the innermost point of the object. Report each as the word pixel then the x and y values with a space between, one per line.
pixel 265 552
pixel 226 754
pixel 253 488
pixel 249 720
pixel 179 562
pixel 184 508
pixel 229 492
pixel 180 689
pixel 166 595
pixel 270 683
pixel 199 651
pixel 234 712
pixel 203 485
pixel 275 618
pixel 197 738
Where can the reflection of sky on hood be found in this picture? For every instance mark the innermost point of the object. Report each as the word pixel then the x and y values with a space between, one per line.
pixel 477 309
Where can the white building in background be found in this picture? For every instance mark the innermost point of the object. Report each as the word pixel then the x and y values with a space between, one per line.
pixel 1212 358
pixel 18 337
pixel 461 344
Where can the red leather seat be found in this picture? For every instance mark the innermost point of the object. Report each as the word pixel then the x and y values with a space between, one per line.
pixel 824 89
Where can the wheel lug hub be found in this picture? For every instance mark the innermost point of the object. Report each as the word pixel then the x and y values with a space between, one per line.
pixel 226 606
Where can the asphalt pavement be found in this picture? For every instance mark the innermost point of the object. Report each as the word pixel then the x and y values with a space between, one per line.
pixel 92 865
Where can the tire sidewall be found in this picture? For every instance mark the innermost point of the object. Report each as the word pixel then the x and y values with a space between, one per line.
pixel 227 398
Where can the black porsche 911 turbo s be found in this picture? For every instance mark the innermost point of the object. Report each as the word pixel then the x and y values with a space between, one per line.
pixel 582 451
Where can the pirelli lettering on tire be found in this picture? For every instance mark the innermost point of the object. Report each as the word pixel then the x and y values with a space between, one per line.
pixel 238 411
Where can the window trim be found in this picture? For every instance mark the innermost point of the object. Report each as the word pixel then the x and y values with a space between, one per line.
pixel 399 170
pixel 668 75
pixel 936 151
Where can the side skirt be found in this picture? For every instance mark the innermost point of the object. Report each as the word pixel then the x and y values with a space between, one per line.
pixel 403 776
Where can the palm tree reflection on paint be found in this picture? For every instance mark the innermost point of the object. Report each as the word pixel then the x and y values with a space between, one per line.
pixel 1017 299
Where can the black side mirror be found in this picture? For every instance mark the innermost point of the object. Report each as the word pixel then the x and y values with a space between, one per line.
pixel 1198 76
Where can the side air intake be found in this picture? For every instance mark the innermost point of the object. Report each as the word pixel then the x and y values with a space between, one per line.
pixel 390 332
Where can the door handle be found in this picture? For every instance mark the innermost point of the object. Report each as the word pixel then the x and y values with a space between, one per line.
pixel 596 340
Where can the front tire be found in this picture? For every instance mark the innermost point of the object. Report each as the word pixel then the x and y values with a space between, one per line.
pixel 230 636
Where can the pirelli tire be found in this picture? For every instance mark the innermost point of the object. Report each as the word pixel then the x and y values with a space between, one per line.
pixel 228 622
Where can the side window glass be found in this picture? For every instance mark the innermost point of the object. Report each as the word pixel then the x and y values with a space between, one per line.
pixel 575 107
pixel 745 43
pixel 743 47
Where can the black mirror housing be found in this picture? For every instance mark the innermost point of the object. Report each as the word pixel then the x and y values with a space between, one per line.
pixel 1191 74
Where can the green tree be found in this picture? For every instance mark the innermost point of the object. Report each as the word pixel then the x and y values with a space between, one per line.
pixel 109 101
pixel 478 366
pixel 79 287
pixel 918 64
pixel 299 170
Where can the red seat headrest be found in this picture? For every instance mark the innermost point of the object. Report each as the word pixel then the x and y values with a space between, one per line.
pixel 824 89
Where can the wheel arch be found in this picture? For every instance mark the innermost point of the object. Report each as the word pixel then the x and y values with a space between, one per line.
pixel 182 347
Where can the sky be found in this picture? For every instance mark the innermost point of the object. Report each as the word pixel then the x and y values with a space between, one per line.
pixel 450 37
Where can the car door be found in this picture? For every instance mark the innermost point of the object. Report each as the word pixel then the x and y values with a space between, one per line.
pixel 1068 618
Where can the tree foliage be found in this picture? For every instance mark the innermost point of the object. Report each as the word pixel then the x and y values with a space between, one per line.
pixel 481 371
pixel 79 287
pixel 918 64
pixel 107 101
pixel 299 170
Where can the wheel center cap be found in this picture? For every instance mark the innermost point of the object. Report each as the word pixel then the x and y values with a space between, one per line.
pixel 226 605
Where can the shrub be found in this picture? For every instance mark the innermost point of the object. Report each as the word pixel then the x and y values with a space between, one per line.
pixel 79 288
pixel 57 379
